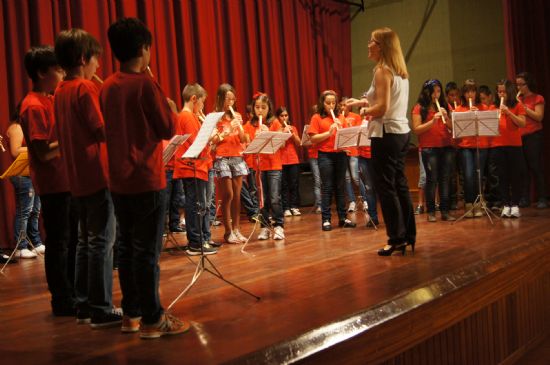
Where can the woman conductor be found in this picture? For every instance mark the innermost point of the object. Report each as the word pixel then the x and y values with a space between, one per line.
pixel 386 101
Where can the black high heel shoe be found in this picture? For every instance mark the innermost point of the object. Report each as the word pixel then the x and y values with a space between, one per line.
pixel 401 247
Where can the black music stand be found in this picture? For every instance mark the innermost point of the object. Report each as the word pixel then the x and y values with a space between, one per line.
pixel 204 263
pixel 476 124
pixel 357 136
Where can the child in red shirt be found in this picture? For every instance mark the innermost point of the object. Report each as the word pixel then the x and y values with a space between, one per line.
pixel 48 173
pixel 137 119
pixel 467 151
pixel 271 168
pixel 81 132
pixel 291 166
pixel 506 148
pixel 194 174
pixel 229 165
pixel 332 163
pixel 532 139
pixel 433 128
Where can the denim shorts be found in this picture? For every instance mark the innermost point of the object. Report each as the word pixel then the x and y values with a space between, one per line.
pixel 230 167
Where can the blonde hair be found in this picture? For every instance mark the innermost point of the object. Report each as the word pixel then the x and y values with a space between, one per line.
pixel 391 54
pixel 191 90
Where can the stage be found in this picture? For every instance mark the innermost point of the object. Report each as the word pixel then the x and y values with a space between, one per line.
pixel 472 293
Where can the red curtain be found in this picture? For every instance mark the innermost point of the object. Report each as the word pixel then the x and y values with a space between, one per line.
pixel 290 49
pixel 527 37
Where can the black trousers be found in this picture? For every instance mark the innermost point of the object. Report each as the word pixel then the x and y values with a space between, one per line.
pixel 533 146
pixel 508 161
pixel 388 157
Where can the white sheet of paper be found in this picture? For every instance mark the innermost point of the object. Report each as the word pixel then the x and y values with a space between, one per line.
pixel 352 137
pixel 306 139
pixel 267 142
pixel 203 136
pixel 172 146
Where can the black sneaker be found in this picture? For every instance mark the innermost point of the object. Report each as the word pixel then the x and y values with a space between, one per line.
pixel 327 226
pixel 106 320
pixel 207 249
pixel 214 244
pixel 346 223
pixel 83 317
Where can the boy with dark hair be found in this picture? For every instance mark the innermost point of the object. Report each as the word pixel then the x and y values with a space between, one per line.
pixel 48 172
pixel 137 119
pixel 81 132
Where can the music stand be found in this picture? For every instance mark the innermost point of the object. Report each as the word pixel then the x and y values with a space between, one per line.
pixel 476 124
pixel 167 154
pixel 193 153
pixel 265 143
pixel 19 167
pixel 357 136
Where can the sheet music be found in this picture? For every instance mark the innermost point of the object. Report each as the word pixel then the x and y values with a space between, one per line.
pixel 464 123
pixel 203 136
pixel 352 137
pixel 172 146
pixel 267 142
pixel 306 139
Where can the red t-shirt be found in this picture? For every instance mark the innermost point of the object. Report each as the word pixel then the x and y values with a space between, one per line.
pixel 231 145
pixel 38 124
pixel 510 133
pixel 81 132
pixel 272 162
pixel 137 119
pixel 289 155
pixel 531 125
pixel 188 123
pixel 312 152
pixel 321 125
pixel 470 142
pixel 352 120
pixel 251 159
pixel 437 136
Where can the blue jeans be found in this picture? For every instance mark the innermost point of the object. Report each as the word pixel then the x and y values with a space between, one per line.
pixel 94 254
pixel 332 167
pixel 437 164
pixel 353 166
pixel 27 210
pixel 197 218
pixel 249 194
pixel 468 163
pixel 314 164
pixel 174 195
pixel 271 186
pixel 141 220
pixel 56 215
pixel 366 174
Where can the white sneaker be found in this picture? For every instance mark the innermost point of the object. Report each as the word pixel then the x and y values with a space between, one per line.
pixel 505 212
pixel 352 207
pixel 264 234
pixel 279 233
pixel 318 210
pixel 295 211
pixel 239 235
pixel 40 249
pixel 25 254
pixel 288 213
pixel 514 212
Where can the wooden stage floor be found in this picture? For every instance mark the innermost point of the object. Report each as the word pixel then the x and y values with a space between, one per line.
pixel 306 283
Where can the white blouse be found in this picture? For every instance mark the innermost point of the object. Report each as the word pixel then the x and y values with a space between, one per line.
pixel 395 119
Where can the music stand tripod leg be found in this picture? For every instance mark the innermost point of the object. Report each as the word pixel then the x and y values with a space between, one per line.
pixel 201 263
pixel 22 235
